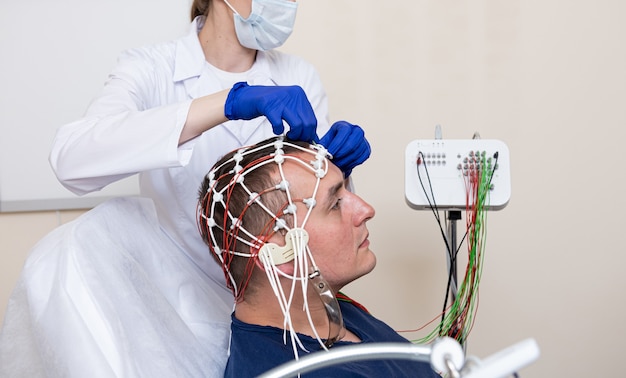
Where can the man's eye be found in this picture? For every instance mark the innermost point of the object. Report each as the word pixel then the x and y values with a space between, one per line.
pixel 337 204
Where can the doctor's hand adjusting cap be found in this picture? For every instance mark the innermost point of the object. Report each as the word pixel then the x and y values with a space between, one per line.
pixel 347 143
pixel 277 103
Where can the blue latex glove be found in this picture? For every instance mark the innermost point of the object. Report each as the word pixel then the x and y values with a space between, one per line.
pixel 277 103
pixel 347 143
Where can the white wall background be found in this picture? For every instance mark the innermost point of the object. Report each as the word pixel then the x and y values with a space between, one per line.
pixel 56 57
pixel 547 78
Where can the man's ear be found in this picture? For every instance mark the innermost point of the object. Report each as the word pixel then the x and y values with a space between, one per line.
pixel 286 268
pixel 280 250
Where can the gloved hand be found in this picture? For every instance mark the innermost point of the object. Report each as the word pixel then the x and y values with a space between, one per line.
pixel 347 143
pixel 277 103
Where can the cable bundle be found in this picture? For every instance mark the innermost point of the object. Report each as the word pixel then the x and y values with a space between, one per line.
pixel 457 319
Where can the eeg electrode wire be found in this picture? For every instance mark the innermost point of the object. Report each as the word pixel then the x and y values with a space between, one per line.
pixel 457 319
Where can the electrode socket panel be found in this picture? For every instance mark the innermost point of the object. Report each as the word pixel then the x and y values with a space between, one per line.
pixel 438 172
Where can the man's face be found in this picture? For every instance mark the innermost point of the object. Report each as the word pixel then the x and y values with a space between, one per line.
pixel 338 235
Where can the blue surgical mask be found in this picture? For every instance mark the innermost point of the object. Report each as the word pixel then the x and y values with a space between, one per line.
pixel 269 25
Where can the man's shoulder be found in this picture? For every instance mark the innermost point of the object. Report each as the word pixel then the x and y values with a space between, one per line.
pixel 365 325
pixel 255 349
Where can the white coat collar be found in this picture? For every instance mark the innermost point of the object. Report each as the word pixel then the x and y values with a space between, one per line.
pixel 189 55
pixel 189 68
pixel 190 61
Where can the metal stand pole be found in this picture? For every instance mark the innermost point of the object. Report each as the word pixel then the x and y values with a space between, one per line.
pixel 453 216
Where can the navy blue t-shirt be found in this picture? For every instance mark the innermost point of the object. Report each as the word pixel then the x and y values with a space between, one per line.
pixel 256 349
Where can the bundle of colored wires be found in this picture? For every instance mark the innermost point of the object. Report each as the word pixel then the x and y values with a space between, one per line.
pixel 457 319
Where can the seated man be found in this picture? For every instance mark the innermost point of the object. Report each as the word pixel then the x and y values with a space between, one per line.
pixel 289 236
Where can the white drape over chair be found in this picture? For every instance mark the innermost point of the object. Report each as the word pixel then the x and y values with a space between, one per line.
pixel 110 295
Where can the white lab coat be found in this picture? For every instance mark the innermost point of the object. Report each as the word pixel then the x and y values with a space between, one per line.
pixel 135 124
pixel 111 289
